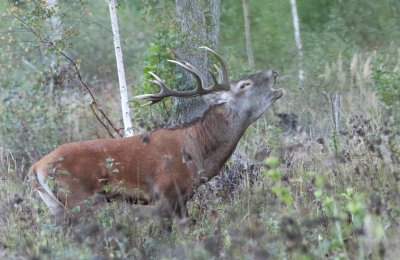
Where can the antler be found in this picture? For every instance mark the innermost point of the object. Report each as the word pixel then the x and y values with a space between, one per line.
pixel 200 89
pixel 224 85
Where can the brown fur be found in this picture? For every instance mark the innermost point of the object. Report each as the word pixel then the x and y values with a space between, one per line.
pixel 167 166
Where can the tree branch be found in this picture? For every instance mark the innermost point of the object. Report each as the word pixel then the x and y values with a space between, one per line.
pixel 93 103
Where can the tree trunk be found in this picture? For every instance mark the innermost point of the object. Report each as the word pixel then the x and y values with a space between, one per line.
pixel 213 23
pixel 298 41
pixel 55 27
pixel 249 49
pixel 193 26
pixel 126 115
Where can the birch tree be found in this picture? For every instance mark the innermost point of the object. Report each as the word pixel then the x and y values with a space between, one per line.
pixel 55 28
pixel 126 114
pixel 297 38
pixel 249 49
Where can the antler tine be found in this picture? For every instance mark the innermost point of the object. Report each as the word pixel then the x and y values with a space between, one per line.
pixel 196 73
pixel 167 92
pixel 201 87
pixel 224 68
pixel 155 98
pixel 213 78
pixel 156 77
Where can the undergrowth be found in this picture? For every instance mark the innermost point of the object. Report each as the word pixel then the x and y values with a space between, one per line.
pixel 324 185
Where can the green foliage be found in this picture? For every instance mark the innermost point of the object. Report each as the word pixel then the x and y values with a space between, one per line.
pixel 356 206
pixel 29 30
pixel 272 162
pixel 387 85
pixel 156 56
pixel 272 46
pixel 369 24
pixel 278 188
pixel 31 128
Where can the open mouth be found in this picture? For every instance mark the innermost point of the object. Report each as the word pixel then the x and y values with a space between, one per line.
pixel 277 93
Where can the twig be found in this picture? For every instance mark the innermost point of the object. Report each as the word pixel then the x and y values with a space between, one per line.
pixel 101 122
pixel 30 65
pixel 94 103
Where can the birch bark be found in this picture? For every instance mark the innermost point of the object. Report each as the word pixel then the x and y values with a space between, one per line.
pixel 54 24
pixel 297 38
pixel 126 114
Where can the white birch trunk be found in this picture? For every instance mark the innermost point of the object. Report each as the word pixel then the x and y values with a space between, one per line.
pixel 54 24
pixel 298 40
pixel 126 115
pixel 250 56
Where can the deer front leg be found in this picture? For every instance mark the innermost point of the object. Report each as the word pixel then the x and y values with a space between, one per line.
pixel 168 208
pixel 172 207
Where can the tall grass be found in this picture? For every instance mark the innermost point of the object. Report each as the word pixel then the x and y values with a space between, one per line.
pixel 328 188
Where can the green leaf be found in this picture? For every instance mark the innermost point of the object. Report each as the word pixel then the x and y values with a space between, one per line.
pixel 327 201
pixel 318 193
pixel 274 174
pixel 64 172
pixel 335 244
pixel 355 207
pixel 320 180
pixel 310 174
pixel 64 190
pixel 76 209
pixel 107 188
pixel 272 162
pixel 283 194
pixel 52 183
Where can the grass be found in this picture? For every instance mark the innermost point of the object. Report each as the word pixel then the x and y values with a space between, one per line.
pixel 310 193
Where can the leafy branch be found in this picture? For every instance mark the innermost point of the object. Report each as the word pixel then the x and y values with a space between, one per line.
pixel 94 104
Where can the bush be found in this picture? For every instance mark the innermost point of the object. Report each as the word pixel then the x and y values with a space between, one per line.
pixel 387 86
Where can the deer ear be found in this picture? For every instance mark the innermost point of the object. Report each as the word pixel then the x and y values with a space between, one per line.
pixel 242 86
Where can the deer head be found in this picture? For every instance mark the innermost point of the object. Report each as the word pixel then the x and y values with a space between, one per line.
pixel 250 97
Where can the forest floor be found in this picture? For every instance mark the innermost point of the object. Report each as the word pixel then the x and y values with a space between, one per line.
pixel 295 188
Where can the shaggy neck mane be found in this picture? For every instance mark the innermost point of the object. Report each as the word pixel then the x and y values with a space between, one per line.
pixel 212 128
pixel 196 120
pixel 215 135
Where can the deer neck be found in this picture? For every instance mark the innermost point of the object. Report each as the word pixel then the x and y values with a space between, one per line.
pixel 216 136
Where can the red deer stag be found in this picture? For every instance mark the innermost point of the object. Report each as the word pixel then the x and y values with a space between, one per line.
pixel 163 165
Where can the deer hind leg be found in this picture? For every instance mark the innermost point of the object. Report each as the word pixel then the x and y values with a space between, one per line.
pixel 56 208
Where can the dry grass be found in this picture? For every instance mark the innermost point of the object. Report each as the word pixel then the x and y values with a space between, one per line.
pixel 334 192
